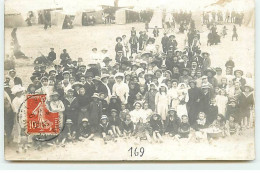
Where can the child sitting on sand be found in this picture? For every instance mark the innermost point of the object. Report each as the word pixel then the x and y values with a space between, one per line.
pixel 156 124
pixel 172 123
pixel 184 129
pixel 68 134
pixel 85 132
pixel 142 131
pixel 216 129
pixel 128 126
pixel 106 130
pixel 115 123
pixel 200 127
pixel 231 127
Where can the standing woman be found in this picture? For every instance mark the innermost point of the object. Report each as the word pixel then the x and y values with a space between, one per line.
pixel 162 101
pixel 18 132
pixel 193 103
pixel 246 103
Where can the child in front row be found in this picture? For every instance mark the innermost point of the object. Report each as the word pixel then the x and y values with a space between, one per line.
pixel 231 127
pixel 156 124
pixel 142 131
pixel 216 129
pixel 200 127
pixel 172 123
pixel 184 129
pixel 106 130
pixel 115 123
pixel 68 134
pixel 85 132
pixel 128 126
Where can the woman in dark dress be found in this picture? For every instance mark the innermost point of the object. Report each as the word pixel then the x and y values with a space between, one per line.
pixel 193 103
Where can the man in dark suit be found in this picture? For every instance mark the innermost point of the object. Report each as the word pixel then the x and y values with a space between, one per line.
pixel 185 63
pixel 164 42
pixel 52 56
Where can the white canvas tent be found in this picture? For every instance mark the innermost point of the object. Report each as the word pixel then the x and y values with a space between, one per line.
pixel 249 18
pixel 58 17
pixel 13 19
pixel 96 13
pixel 157 19
pixel 125 15
pixel 197 17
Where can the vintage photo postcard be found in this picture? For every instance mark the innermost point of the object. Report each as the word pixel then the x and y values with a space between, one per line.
pixel 121 80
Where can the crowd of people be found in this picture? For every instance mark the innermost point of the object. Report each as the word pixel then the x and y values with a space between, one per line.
pixel 218 16
pixel 149 91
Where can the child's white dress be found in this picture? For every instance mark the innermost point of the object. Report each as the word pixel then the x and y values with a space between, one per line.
pixel 183 98
pixel 162 102
pixel 174 97
pixel 221 102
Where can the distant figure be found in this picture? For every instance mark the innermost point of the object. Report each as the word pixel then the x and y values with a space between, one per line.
pixel 234 33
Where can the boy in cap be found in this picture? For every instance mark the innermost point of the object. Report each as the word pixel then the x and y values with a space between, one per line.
pixel 68 134
pixel 106 130
pixel 85 131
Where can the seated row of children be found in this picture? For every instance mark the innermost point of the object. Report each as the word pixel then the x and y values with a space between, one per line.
pixel 152 128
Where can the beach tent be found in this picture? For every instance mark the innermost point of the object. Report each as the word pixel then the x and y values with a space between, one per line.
pixel 126 15
pixel 157 19
pixel 14 19
pixel 197 17
pixel 58 17
pixel 96 13
pixel 249 18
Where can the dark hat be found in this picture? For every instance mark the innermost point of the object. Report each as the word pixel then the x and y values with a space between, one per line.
pixel 186 69
pixel 89 74
pixel 210 70
pixel 107 59
pixel 175 80
pixel 82 65
pixel 172 36
pixel 118 38
pixel 94 48
pixel 57 65
pixel 238 71
pixel 52 48
pixel 205 53
pixel 64 50
pixel 192 81
pixel 151 40
pixel 248 86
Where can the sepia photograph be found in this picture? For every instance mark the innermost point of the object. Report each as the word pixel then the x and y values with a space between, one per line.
pixel 129 80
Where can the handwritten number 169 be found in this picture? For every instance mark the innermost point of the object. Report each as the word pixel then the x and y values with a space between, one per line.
pixel 136 152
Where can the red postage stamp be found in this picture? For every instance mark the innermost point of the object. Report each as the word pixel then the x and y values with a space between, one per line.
pixel 39 119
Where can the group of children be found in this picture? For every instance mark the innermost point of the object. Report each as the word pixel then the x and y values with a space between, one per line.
pixel 145 95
